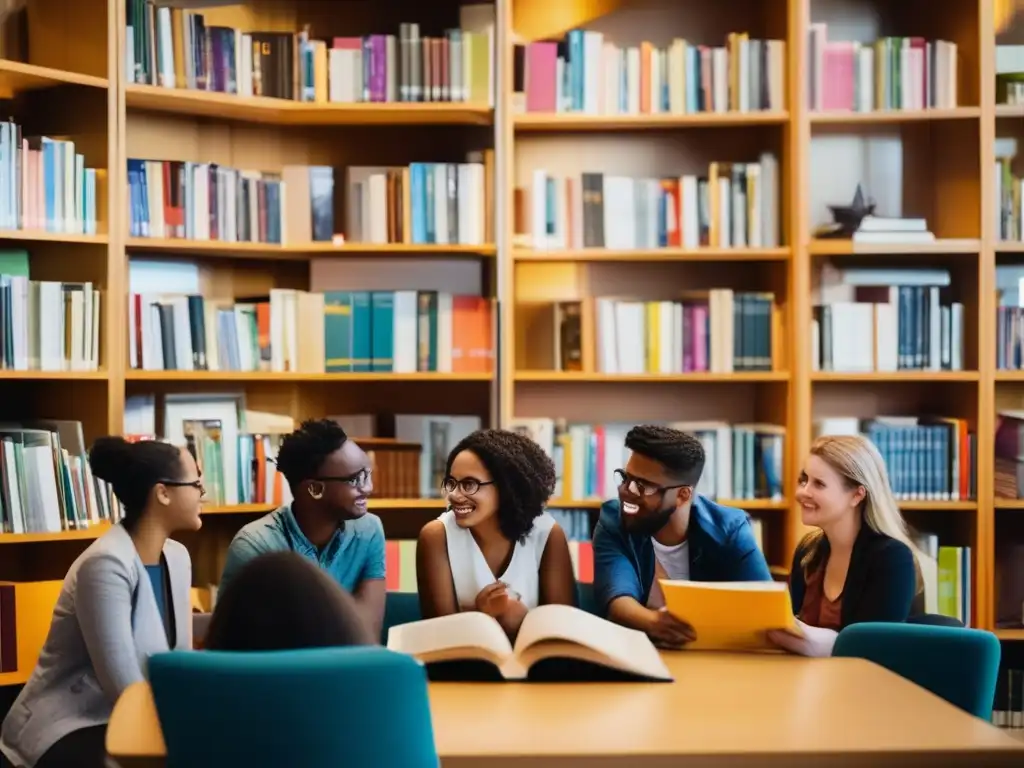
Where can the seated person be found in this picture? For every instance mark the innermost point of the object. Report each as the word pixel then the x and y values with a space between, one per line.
pixel 280 601
pixel 125 598
pixel 859 564
pixel 660 528
pixel 495 549
pixel 327 522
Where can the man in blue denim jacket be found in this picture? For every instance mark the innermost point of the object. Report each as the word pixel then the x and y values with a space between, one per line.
pixel 660 528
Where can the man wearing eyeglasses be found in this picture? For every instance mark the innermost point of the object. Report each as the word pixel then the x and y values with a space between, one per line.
pixel 327 521
pixel 660 528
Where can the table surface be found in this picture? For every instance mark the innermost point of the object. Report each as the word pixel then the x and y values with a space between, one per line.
pixel 721 707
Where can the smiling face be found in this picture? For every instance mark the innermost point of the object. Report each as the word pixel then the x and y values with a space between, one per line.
pixel 648 512
pixel 825 496
pixel 472 496
pixel 346 482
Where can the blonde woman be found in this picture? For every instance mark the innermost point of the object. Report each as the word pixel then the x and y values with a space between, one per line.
pixel 859 564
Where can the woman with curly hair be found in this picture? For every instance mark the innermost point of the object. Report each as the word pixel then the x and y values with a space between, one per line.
pixel 495 549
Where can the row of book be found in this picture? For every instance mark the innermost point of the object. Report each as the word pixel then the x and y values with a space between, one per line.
pixel 45 185
pixel 422 203
pixel 928 458
pixel 1009 210
pixel 891 73
pixel 311 332
pixel 176 48
pixel 586 74
pixel 743 461
pixel 718 331
pixel 46 325
pixel 46 485
pixel 881 319
pixel 735 205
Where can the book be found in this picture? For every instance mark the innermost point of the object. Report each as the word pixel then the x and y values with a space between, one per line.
pixel 555 642
pixel 731 615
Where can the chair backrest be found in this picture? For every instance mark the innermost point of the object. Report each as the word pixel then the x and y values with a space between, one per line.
pixel 399 608
pixel 959 665
pixel 361 707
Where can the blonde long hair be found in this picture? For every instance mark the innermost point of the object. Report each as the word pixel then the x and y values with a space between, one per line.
pixel 858 462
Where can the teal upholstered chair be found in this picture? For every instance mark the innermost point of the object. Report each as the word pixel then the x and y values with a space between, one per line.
pixel 400 608
pixel 960 665
pixel 361 707
pixel 585 597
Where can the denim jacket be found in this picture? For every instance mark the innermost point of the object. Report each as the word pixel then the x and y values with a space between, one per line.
pixel 722 548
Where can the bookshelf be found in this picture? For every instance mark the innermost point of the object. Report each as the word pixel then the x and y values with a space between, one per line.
pixel 935 162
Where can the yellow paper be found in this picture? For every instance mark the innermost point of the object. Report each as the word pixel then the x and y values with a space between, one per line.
pixel 731 616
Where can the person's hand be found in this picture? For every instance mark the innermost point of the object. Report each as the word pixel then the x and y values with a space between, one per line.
pixel 493 599
pixel 667 631
pixel 816 642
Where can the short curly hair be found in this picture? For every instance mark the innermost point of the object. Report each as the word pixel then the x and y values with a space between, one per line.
pixel 523 475
pixel 303 452
pixel 681 454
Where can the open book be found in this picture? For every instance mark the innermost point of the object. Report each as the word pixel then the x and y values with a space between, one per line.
pixel 554 642
pixel 731 615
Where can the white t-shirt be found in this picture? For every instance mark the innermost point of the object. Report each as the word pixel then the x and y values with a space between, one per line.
pixel 669 563
pixel 471 573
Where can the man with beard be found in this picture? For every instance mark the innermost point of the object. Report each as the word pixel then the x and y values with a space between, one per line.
pixel 660 528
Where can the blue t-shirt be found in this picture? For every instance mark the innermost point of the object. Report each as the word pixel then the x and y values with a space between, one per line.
pixel 156 578
pixel 352 556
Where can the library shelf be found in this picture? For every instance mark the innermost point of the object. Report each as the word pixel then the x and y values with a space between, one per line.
pixel 53 375
pixel 696 377
pixel 271 111
pixel 303 251
pixel 938 506
pixel 653 254
pixel 1010 634
pixel 1008 246
pixel 18 76
pixel 1009 110
pixel 68 238
pixel 1009 376
pixel 895 376
pixel 92 532
pixel 890 116
pixel 843 247
pixel 1009 503
pixel 298 376
pixel 572 121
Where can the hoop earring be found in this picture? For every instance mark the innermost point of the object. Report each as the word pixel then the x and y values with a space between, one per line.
pixel 316 492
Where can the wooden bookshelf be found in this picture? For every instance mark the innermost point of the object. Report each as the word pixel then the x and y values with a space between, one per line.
pixel 75 83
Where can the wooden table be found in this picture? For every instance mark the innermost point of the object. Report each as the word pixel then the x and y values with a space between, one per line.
pixel 723 710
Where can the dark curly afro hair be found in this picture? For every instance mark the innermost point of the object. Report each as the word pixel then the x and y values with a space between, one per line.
pixel 681 454
pixel 523 475
pixel 303 452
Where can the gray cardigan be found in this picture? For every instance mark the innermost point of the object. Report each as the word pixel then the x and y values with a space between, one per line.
pixel 106 624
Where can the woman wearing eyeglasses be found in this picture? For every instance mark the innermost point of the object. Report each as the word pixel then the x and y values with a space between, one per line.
pixel 495 549
pixel 124 599
pixel 327 523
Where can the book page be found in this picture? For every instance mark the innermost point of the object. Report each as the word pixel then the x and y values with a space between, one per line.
pixel 731 616
pixel 468 635
pixel 553 630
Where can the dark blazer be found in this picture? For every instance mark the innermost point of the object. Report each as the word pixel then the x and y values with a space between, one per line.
pixel 881 584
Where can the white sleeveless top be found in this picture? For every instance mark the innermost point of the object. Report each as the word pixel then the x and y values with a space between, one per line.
pixel 471 573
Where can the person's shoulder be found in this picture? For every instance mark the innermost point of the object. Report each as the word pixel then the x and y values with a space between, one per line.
pixel 177 550
pixel 609 515
pixel 717 518
pixel 265 533
pixel 433 532
pixel 884 547
pixel 367 526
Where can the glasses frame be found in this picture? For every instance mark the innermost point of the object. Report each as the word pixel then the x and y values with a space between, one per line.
pixel 625 479
pixel 197 484
pixel 360 479
pixel 458 484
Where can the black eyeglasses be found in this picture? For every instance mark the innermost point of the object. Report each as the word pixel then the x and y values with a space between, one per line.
pixel 467 485
pixel 197 484
pixel 359 480
pixel 643 487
